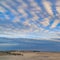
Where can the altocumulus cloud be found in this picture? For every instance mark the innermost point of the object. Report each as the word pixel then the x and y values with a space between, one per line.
pixel 30 18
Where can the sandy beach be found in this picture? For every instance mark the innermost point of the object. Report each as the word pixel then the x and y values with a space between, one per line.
pixel 31 56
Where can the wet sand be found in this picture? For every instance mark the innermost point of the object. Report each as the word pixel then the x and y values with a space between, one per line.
pixel 31 56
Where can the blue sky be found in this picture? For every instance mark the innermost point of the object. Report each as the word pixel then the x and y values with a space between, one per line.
pixel 37 19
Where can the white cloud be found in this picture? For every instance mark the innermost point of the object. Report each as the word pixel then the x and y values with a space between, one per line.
pixel 58 9
pixel 24 5
pixel 55 23
pixel 48 7
pixel 57 3
pixel 45 22
pixel 21 10
pixel 16 19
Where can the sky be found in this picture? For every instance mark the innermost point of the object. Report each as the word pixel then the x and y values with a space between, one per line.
pixel 36 19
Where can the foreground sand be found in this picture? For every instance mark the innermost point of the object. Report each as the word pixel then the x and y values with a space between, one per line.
pixel 31 56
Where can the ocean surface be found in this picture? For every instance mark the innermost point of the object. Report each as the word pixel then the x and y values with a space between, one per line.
pixel 7 44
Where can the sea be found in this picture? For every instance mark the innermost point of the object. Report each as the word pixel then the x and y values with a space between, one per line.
pixel 20 44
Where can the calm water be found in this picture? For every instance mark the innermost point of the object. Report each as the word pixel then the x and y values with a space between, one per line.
pixel 28 44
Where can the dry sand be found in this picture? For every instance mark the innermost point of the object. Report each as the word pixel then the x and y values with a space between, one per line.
pixel 32 56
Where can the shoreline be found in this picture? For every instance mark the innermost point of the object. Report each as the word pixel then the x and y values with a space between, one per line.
pixel 14 52
pixel 29 55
